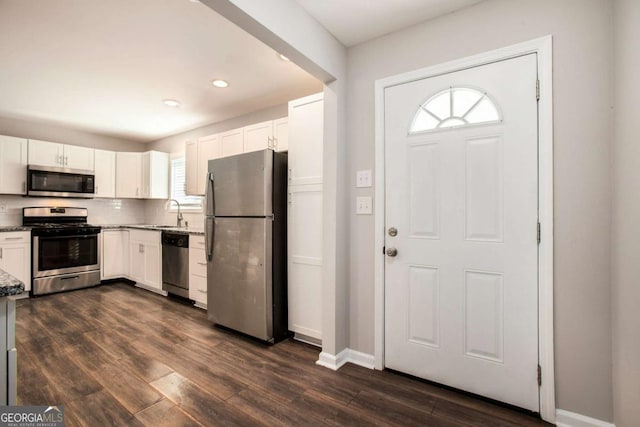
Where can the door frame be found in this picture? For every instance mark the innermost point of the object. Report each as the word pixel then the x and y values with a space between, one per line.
pixel 543 48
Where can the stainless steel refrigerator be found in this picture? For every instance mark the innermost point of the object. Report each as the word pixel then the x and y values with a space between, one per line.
pixel 246 243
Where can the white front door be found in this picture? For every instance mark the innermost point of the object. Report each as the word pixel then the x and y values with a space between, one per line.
pixel 461 189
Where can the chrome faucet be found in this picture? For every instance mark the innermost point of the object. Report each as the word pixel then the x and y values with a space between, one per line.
pixel 179 218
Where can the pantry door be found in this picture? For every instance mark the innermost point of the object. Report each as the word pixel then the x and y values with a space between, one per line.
pixel 461 214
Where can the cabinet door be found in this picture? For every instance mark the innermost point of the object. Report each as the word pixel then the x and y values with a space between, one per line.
pixel 128 175
pixel 305 260
pixel 281 134
pixel 15 259
pixel 13 165
pixel 258 137
pixel 44 153
pixel 105 172
pixel 78 157
pixel 305 140
pixel 232 142
pixel 191 163
pixel 208 148
pixel 155 175
pixel 112 254
pixel 136 258
pixel 153 265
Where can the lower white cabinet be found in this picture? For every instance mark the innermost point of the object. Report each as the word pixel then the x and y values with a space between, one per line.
pixel 145 258
pixel 197 271
pixel 115 254
pixel 15 255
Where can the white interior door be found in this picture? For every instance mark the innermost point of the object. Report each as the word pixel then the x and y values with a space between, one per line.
pixel 461 185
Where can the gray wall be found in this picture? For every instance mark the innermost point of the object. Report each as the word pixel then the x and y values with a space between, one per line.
pixel 175 143
pixel 582 31
pixel 55 133
pixel 626 212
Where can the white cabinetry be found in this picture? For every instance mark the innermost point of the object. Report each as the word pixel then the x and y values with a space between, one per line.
pixel 45 153
pixel 232 142
pixel 105 173
pixel 13 165
pixel 128 175
pixel 258 137
pixel 155 175
pixel 145 257
pixel 115 254
pixel 142 175
pixel 305 216
pixel 281 134
pixel 197 271
pixel 15 255
pixel 198 154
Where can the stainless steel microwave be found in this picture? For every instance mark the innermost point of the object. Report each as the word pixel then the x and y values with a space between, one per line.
pixel 59 182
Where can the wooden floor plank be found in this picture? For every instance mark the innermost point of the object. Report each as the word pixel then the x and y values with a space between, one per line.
pixel 120 355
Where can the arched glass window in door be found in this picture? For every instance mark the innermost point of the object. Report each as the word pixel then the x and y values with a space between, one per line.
pixel 454 107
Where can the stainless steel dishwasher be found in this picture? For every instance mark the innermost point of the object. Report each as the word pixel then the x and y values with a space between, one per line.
pixel 175 263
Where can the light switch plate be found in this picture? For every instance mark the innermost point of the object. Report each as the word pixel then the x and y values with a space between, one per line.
pixel 363 178
pixel 364 205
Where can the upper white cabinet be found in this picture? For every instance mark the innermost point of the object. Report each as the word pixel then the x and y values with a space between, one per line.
pixel 155 175
pixel 128 175
pixel 304 220
pixel 258 137
pixel 13 165
pixel 281 134
pixel 197 156
pixel 231 142
pixel 105 173
pixel 142 175
pixel 306 123
pixel 43 153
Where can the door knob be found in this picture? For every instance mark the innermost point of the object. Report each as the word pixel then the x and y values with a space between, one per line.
pixel 393 231
pixel 392 252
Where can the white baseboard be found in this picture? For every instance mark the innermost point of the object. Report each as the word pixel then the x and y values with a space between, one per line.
pixel 347 355
pixel 571 419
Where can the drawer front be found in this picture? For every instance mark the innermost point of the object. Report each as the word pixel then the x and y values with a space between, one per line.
pixel 145 236
pixel 196 242
pixel 197 262
pixel 15 237
pixel 198 289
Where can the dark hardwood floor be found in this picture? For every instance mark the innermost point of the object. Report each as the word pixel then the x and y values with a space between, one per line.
pixel 118 355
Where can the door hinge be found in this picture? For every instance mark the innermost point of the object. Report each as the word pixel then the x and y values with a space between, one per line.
pixel 538 233
pixel 539 375
pixel 538 89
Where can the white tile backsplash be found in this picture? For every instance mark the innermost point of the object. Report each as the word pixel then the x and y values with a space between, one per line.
pixel 101 211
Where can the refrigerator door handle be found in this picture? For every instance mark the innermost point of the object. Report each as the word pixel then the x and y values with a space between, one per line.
pixel 209 236
pixel 210 201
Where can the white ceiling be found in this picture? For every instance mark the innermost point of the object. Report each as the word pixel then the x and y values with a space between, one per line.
pixel 106 66
pixel 356 21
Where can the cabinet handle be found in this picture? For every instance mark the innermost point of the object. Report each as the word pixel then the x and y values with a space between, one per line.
pixel 13 238
pixel 0 253
pixel 137 192
pixel 141 248
pixel 202 263
pixel 24 187
pixel 200 290
pixel 97 191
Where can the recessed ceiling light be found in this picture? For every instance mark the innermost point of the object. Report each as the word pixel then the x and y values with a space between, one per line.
pixel 284 58
pixel 171 102
pixel 219 83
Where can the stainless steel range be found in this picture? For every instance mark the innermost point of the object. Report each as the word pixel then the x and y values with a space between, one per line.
pixel 65 249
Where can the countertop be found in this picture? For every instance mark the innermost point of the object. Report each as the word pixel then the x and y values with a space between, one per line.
pixel 182 230
pixel 7 228
pixel 9 285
